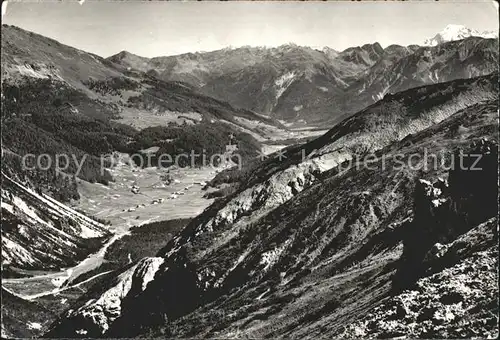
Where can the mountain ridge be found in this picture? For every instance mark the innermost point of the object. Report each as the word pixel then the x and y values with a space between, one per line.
pixel 324 86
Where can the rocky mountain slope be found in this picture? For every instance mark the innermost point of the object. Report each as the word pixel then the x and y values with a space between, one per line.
pixel 402 69
pixel 303 247
pixel 303 85
pixel 391 119
pixel 199 69
pixel 22 318
pixel 457 301
pixel 39 233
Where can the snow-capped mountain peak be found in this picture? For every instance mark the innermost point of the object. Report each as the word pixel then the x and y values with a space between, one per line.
pixel 454 32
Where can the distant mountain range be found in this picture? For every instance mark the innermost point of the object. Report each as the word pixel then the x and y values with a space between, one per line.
pixel 305 86
pixel 458 32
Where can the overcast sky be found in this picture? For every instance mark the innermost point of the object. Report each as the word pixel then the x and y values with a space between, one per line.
pixel 166 28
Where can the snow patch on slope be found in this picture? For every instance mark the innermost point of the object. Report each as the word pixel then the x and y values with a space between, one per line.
pixel 271 257
pixel 283 82
pixel 34 325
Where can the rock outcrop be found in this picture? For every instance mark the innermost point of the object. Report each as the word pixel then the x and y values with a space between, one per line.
pixel 448 269
pixel 459 300
pixel 444 211
pixel 96 315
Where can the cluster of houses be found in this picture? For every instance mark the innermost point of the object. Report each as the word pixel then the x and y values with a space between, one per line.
pixel 136 189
